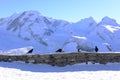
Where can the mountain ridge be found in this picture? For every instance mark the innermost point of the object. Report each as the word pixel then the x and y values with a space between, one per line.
pixel 46 35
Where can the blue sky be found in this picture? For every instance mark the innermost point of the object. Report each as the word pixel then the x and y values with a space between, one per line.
pixel 70 10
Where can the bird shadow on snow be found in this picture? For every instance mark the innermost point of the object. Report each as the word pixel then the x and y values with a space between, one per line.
pixel 69 68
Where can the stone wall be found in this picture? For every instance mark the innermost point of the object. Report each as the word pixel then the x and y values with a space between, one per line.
pixel 63 59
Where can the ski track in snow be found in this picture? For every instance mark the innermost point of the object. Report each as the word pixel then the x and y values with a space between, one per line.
pixel 22 71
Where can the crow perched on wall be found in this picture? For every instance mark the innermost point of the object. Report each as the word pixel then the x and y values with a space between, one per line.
pixel 59 50
pixel 96 49
pixel 30 51
pixel 79 50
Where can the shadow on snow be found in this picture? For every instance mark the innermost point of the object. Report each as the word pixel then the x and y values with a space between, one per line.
pixel 69 68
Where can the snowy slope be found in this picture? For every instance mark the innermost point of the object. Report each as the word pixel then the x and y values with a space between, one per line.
pixel 22 71
pixel 46 35
pixel 30 29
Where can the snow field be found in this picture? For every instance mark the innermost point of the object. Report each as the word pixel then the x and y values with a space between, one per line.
pixel 22 71
pixel 15 74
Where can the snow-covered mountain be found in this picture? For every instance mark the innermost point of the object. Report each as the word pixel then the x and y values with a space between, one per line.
pixel 46 35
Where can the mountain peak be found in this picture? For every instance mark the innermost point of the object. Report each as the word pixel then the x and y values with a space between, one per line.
pixel 32 12
pixel 86 21
pixel 108 21
pixel 46 35
pixel 89 19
